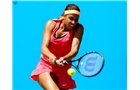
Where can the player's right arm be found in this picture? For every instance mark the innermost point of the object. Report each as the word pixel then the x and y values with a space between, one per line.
pixel 46 39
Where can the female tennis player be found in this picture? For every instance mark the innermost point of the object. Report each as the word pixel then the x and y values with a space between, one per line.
pixel 61 41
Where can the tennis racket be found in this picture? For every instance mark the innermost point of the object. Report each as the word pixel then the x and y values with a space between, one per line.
pixel 90 64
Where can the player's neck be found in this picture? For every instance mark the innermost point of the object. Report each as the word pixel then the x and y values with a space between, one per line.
pixel 63 27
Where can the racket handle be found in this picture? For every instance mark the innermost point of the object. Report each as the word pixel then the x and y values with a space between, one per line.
pixel 64 62
pixel 55 62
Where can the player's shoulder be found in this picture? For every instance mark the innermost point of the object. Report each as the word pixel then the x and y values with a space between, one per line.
pixel 79 27
pixel 51 23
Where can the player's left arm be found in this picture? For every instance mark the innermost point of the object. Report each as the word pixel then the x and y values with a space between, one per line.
pixel 78 34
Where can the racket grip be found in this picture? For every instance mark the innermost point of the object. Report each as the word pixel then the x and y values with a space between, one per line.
pixel 55 62
pixel 64 62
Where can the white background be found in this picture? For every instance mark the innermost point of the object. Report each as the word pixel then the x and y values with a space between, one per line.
pixel 133 44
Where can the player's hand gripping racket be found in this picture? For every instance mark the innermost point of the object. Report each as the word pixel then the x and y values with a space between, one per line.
pixel 89 65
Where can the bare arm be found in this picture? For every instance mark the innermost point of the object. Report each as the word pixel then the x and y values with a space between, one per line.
pixel 75 43
pixel 46 39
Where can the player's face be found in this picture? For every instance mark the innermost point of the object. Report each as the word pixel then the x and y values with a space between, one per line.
pixel 71 20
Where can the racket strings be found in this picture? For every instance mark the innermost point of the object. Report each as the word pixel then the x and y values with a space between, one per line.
pixel 90 64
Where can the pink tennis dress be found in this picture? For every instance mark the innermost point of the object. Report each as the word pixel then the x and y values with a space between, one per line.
pixel 59 47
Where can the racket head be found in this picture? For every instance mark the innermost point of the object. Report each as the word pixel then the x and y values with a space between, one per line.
pixel 90 64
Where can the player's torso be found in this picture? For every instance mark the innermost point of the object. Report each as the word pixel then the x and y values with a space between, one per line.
pixel 60 46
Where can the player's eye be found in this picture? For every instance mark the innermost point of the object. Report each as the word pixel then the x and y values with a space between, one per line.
pixel 71 18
